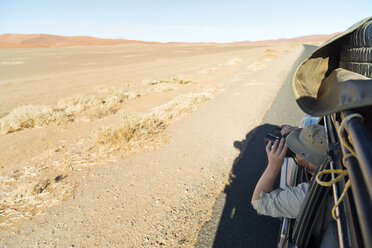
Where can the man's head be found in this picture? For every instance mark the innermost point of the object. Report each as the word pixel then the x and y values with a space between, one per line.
pixel 310 145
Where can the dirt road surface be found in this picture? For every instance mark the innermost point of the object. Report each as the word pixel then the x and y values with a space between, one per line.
pixel 156 194
pixel 234 223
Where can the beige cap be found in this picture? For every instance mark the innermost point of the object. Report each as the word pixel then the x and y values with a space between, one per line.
pixel 310 143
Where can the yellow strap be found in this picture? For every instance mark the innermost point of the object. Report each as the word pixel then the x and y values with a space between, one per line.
pixel 342 173
pixel 347 186
pixel 341 129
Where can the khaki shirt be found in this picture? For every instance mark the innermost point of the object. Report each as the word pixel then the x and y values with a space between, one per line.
pixel 282 202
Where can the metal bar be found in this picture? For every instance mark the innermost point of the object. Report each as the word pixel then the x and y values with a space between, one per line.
pixel 352 217
pixel 342 223
pixel 359 173
pixel 363 147
pixel 340 226
pixel 362 204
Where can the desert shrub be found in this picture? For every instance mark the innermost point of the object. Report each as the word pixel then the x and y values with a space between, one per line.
pixel 134 129
pixel 65 110
pixel 174 80
pixel 139 128
pixel 30 116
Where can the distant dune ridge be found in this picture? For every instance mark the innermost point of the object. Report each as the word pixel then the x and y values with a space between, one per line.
pixel 47 40
pixel 311 38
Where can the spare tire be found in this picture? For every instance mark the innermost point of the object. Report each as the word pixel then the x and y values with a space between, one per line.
pixel 356 52
pixel 337 76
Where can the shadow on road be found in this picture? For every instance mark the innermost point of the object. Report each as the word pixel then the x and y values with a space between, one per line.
pixel 234 222
pixel 239 224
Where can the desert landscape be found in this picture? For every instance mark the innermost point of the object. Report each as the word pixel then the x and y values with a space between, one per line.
pixel 125 143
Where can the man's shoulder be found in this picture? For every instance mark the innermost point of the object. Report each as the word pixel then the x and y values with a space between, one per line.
pixel 282 202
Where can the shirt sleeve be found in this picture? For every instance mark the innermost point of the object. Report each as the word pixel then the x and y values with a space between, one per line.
pixel 282 202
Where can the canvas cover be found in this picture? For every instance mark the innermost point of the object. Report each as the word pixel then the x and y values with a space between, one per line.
pixel 321 87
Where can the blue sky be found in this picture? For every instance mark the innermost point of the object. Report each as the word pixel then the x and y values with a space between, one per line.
pixel 187 20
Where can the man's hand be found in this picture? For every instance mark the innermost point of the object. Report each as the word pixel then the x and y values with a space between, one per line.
pixel 276 153
pixel 286 129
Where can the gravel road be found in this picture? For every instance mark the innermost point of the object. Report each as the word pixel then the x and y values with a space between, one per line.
pixel 234 222
pixel 164 196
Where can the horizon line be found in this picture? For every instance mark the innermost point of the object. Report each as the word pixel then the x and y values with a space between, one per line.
pixel 165 42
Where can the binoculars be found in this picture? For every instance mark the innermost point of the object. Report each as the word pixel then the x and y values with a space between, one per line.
pixel 278 136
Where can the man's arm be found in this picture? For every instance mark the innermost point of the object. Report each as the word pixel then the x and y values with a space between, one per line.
pixel 275 155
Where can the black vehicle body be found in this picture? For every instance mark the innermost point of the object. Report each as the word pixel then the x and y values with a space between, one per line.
pixel 343 105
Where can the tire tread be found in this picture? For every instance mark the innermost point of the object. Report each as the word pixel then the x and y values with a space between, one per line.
pixel 356 52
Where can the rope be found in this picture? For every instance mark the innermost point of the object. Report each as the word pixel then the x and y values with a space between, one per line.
pixel 342 173
pixel 341 130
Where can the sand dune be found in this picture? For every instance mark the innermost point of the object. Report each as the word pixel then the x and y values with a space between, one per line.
pixel 311 38
pixel 46 40
pixel 316 38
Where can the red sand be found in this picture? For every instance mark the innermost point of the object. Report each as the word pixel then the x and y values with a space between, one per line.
pixel 46 40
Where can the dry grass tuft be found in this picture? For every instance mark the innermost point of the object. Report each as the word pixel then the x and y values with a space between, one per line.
pixel 182 81
pixel 171 81
pixel 141 128
pixel 27 193
pixel 182 104
pixel 168 84
pixel 30 116
pixel 163 87
pixel 134 129
pixel 103 89
pixel 295 44
pixel 93 106
pixel 46 181
pixel 68 109
pixel 270 53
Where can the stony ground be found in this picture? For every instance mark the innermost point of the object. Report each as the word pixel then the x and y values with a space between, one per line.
pixel 62 188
